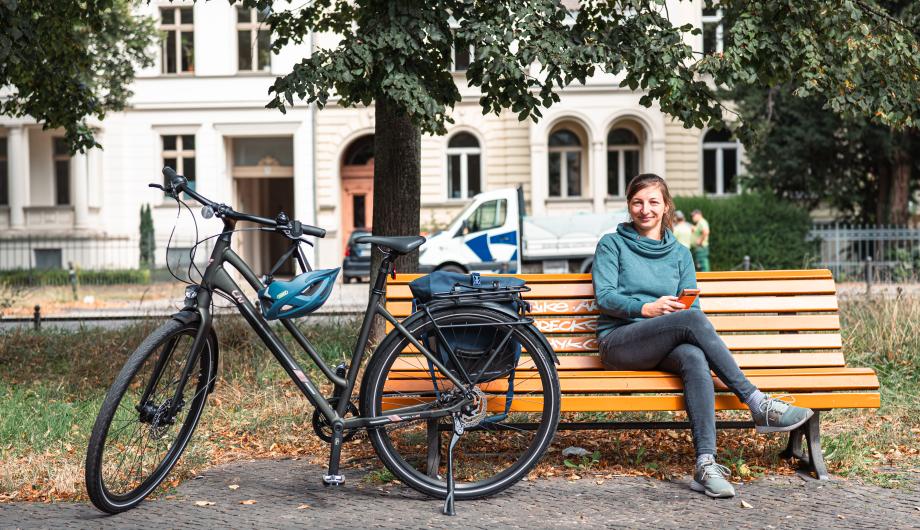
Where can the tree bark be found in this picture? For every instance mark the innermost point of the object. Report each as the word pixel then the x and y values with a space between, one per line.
pixel 899 197
pixel 883 190
pixel 397 185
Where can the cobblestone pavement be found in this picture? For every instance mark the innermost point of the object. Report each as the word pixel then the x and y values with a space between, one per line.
pixel 288 494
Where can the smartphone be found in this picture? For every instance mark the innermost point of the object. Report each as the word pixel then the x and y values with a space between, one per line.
pixel 688 296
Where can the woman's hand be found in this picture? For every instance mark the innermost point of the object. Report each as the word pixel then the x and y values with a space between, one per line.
pixel 662 306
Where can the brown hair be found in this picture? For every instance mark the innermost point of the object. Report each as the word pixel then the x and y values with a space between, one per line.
pixel 644 180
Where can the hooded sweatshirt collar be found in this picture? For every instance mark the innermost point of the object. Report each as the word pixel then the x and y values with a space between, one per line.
pixel 644 246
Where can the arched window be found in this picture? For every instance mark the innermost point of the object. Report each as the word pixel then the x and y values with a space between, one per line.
pixel 565 163
pixel 464 166
pixel 360 152
pixel 623 155
pixel 721 163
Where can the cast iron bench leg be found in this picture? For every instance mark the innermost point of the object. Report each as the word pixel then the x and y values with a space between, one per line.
pixel 815 456
pixel 814 460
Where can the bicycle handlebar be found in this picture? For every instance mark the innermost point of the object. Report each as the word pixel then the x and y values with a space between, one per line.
pixel 178 183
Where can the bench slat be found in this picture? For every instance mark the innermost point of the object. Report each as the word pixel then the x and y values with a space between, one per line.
pixel 593 362
pixel 750 304
pixel 588 325
pixel 765 287
pixel 606 382
pixel 573 289
pixel 791 274
pixel 799 341
pixel 769 304
pixel 814 400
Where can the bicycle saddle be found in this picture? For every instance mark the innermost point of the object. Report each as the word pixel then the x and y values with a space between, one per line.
pixel 297 297
pixel 398 244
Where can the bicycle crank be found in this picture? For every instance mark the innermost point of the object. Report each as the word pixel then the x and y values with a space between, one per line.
pixel 323 428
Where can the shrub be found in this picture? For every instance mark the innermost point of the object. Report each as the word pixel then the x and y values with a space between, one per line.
pixel 19 277
pixel 774 233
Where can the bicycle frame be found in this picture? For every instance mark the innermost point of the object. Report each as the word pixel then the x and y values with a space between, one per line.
pixel 217 278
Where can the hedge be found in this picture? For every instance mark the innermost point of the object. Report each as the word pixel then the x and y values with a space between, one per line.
pixel 84 277
pixel 774 233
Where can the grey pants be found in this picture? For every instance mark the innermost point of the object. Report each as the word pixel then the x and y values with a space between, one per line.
pixel 683 343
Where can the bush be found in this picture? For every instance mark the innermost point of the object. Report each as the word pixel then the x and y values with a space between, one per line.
pixel 774 233
pixel 19 277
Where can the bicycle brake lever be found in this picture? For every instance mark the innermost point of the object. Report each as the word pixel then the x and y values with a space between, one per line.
pixel 158 186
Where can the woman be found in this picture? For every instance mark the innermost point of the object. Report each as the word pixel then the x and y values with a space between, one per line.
pixel 638 272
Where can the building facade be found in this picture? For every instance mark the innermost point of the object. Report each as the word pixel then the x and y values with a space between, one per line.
pixel 577 158
pixel 200 109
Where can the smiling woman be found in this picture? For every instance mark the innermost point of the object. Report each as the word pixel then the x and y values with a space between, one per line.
pixel 638 272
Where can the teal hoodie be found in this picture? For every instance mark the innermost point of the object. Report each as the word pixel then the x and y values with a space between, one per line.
pixel 631 270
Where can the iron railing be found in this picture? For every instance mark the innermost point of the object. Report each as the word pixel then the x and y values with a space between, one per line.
pixel 875 254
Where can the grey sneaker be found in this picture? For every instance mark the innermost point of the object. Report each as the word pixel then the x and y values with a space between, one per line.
pixel 776 415
pixel 710 478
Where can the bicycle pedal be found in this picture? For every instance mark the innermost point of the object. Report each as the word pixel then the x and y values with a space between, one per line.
pixel 333 480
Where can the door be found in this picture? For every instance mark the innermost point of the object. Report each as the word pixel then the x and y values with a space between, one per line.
pixel 357 173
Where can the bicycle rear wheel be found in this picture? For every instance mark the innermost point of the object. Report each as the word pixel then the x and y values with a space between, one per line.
pixel 135 441
pixel 502 446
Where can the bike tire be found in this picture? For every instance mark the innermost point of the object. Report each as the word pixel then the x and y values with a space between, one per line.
pixel 107 451
pixel 494 472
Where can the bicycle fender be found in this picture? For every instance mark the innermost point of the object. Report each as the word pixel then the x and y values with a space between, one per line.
pixel 186 317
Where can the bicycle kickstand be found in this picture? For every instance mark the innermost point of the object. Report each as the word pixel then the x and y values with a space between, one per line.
pixel 449 501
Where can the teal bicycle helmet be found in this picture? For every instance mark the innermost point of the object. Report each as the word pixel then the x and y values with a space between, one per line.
pixel 297 297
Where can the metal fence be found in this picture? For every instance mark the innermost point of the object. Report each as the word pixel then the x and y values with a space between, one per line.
pixel 55 260
pixel 883 253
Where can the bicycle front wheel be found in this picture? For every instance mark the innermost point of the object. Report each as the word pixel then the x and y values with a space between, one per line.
pixel 142 429
pixel 504 440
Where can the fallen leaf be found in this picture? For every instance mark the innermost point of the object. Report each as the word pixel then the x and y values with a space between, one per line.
pixel 204 503
pixel 248 501
pixel 234 486
pixel 303 507
pixel 598 482
pixel 746 504
pixel 840 516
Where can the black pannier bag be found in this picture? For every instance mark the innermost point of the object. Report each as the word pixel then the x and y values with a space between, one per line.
pixel 474 345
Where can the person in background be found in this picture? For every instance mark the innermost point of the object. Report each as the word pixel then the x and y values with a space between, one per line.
pixel 700 241
pixel 683 231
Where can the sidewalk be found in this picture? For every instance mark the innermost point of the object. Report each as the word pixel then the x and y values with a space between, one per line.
pixel 289 494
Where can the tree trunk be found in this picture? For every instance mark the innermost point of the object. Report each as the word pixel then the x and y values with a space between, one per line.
pixel 899 197
pixel 883 190
pixel 397 185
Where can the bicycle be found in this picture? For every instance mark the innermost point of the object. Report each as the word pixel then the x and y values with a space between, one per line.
pixel 416 388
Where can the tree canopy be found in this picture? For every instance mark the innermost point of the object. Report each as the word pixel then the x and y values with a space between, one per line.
pixel 68 60
pixel 806 152
pixel 852 53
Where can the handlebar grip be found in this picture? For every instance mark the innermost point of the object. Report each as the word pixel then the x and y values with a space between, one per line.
pixel 175 180
pixel 314 231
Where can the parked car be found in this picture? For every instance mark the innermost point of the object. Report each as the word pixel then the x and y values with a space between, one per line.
pixel 357 263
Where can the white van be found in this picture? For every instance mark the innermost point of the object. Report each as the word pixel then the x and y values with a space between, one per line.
pixel 492 234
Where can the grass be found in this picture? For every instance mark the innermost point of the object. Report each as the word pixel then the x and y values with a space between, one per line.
pixel 52 383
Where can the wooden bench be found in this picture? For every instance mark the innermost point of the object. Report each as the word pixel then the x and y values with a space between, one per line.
pixel 783 328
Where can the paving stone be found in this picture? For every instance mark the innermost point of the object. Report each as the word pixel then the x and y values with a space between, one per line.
pixel 279 487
